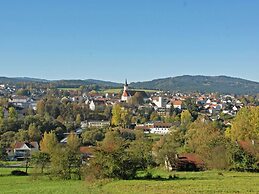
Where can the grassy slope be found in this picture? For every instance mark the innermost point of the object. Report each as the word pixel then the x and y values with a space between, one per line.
pixel 188 182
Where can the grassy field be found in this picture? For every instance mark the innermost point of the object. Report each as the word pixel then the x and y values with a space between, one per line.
pixel 118 90
pixel 68 89
pixel 187 183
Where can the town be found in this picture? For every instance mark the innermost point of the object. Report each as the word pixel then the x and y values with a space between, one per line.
pixel 72 110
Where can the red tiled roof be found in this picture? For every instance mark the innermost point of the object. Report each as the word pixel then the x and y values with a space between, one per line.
pixel 125 93
pixel 18 144
pixel 191 157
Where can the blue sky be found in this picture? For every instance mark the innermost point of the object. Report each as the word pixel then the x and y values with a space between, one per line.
pixel 134 39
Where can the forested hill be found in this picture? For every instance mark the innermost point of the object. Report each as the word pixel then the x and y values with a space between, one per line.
pixel 187 83
pixel 61 83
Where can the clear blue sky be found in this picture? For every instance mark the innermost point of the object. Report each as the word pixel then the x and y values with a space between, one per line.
pixel 134 39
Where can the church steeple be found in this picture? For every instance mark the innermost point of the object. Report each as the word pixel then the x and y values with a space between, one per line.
pixel 126 85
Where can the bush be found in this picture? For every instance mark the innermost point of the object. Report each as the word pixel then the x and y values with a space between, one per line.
pixel 148 176
pixel 19 173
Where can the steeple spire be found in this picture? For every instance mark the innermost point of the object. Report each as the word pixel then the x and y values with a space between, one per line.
pixel 126 85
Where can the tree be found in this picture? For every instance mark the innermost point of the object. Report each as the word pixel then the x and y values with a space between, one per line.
pixel 12 114
pixel 115 158
pixel 245 125
pixel 116 115
pixel 92 136
pixel 78 119
pixel 166 149
pixel 208 142
pixel 48 142
pixel 186 118
pixel 125 117
pixel 41 107
pixel 1 112
pixel 41 160
pixel 66 160
pixel 22 135
pixel 34 133
pixel 154 116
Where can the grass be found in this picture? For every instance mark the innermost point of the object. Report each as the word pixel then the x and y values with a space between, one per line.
pixel 187 183
pixel 68 89
pixel 118 90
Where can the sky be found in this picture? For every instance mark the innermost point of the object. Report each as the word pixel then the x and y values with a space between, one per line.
pixel 134 39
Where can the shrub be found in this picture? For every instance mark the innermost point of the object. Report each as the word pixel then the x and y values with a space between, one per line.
pixel 148 176
pixel 19 173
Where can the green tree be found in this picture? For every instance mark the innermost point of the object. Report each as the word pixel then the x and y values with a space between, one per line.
pixel 116 115
pixel 22 135
pixel 186 118
pixel 115 158
pixel 1 112
pixel 166 149
pixel 92 136
pixel 208 142
pixel 125 117
pixel 34 133
pixel 66 160
pixel 41 160
pixel 12 114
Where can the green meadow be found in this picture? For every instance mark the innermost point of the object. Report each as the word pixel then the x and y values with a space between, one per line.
pixel 185 183
pixel 118 90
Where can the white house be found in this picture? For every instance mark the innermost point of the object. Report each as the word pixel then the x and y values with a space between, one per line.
pixel 160 128
pixel 24 149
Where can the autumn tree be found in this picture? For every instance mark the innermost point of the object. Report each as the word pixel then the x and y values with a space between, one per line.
pixel 116 115
pixel 245 125
pixel 48 142
pixel 34 133
pixel 208 142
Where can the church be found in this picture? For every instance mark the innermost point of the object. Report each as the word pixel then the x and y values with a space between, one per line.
pixel 127 94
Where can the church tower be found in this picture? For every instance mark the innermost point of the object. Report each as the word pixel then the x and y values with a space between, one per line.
pixel 125 94
pixel 126 86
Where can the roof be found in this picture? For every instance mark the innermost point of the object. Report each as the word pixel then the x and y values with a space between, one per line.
pixel 28 144
pixel 126 93
pixel 191 157
pixel 177 102
pixel 86 150
pixel 251 147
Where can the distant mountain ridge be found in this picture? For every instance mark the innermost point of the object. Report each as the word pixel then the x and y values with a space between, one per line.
pixel 200 83
pixel 185 83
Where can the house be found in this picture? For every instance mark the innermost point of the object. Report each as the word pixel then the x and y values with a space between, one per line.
pixel 177 104
pixel 24 149
pixel 160 128
pixel 20 101
pixel 96 124
pixel 160 101
pixel 185 162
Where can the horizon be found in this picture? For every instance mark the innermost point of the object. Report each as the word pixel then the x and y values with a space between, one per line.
pixel 129 81
pixel 138 40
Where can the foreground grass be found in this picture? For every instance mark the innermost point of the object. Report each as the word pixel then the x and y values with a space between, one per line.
pixel 187 183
